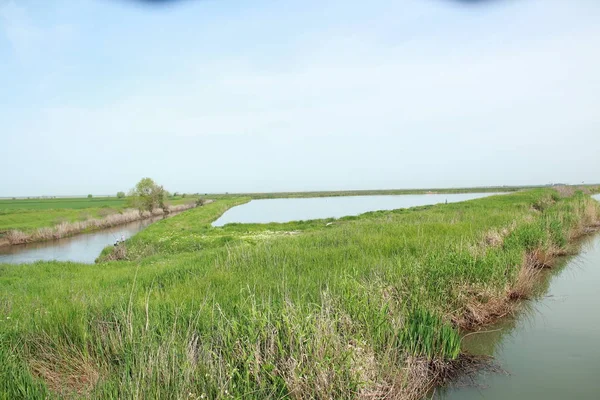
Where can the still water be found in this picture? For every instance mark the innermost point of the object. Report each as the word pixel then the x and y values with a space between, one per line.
pixel 80 248
pixel 551 351
pixel 286 210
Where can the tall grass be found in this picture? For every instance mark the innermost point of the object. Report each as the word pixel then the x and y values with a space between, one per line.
pixel 364 307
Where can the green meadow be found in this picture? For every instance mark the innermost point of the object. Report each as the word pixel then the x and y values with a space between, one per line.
pixel 371 306
pixel 76 203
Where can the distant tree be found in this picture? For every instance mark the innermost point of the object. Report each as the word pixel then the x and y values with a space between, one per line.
pixel 175 194
pixel 184 195
pixel 147 195
pixel 120 195
pixel 89 196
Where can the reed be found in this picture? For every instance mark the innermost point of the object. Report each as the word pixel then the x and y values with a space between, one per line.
pixel 360 307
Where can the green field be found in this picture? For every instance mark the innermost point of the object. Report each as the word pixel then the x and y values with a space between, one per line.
pixel 61 203
pixel 279 195
pixel 362 307
pixel 29 214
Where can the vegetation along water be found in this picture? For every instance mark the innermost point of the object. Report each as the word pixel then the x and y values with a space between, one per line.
pixel 41 219
pixel 366 306
pixel 549 351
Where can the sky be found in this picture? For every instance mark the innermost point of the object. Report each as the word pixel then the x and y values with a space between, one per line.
pixel 267 95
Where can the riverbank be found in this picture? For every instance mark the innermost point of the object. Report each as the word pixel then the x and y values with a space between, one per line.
pixel 357 307
pixel 389 192
pixel 384 192
pixel 67 229
pixel 548 350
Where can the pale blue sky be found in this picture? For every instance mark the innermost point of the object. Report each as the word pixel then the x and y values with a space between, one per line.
pixel 219 95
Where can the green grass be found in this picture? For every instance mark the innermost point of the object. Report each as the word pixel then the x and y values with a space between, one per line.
pixel 61 203
pixel 589 188
pixel 29 214
pixel 301 310
pixel 278 195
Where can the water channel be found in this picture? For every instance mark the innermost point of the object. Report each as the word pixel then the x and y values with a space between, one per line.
pixel 551 351
pixel 85 247
pixel 290 209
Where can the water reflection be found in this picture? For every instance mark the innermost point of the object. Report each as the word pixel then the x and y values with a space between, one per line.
pixel 286 210
pixel 83 248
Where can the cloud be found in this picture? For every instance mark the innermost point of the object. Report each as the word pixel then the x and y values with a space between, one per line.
pixel 370 90
pixel 438 103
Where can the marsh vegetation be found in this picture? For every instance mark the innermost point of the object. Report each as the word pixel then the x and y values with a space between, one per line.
pixel 366 306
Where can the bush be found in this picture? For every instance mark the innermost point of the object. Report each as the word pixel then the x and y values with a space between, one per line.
pixel 120 195
pixel 147 195
pixel 89 196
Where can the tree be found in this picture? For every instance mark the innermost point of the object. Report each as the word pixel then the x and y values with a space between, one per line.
pixel 89 196
pixel 120 195
pixel 147 195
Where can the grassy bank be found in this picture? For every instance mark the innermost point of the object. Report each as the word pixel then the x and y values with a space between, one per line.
pixel 182 233
pixel 41 225
pixel 385 192
pixel 363 307
pixel 28 214
pixel 592 188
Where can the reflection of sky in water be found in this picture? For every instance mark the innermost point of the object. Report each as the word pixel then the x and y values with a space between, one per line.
pixel 285 210
pixel 80 248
